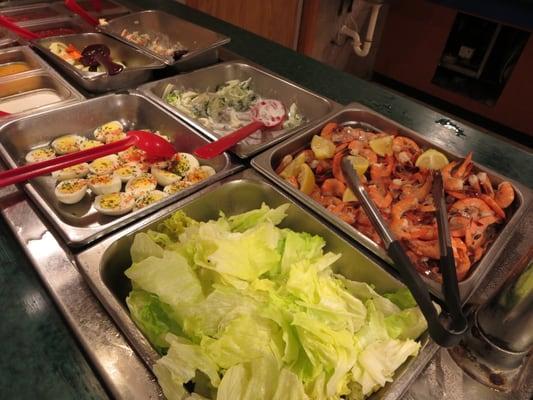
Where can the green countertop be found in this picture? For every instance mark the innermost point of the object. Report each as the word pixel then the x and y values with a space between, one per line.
pixel 39 357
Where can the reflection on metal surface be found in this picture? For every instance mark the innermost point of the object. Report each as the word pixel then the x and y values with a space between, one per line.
pixel 445 122
pixel 122 372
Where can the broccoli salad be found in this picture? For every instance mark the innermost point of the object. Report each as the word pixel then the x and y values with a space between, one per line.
pixel 225 109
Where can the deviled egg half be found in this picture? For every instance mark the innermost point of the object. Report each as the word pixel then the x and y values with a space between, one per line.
pixel 76 171
pixel 141 184
pixel 110 132
pixel 164 177
pixel 104 165
pixel 104 184
pixel 89 144
pixel 183 163
pixel 132 154
pixel 128 171
pixel 148 198
pixel 200 173
pixel 67 144
pixel 117 203
pixel 41 154
pixel 177 186
pixel 71 191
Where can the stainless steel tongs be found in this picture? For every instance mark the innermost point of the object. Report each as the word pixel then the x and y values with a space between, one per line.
pixel 446 332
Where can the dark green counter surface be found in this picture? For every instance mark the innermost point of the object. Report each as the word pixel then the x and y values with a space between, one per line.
pixel 39 357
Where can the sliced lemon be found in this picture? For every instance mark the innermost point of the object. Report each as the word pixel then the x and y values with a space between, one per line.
pixel 382 146
pixel 348 195
pixel 431 159
pixel 293 167
pixel 306 179
pixel 359 163
pixel 322 147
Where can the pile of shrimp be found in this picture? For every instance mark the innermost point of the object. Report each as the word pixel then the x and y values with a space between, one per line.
pixel 402 192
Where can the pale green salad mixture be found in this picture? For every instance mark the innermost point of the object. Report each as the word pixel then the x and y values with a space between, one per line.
pixel 227 108
pixel 245 309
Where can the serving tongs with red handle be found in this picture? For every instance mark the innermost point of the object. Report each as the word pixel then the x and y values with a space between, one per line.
pixel 446 332
pixel 73 6
pixel 22 32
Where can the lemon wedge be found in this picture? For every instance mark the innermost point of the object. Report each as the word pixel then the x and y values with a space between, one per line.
pixel 323 148
pixel 382 146
pixel 306 179
pixel 348 195
pixel 431 159
pixel 359 163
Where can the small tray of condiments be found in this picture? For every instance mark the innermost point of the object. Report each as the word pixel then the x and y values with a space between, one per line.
pixel 28 84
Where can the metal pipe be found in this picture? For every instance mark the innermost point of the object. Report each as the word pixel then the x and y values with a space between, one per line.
pixel 363 48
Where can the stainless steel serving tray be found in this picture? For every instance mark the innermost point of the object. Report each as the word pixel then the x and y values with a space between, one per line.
pixel 74 23
pixel 139 66
pixel 104 263
pixel 358 114
pixel 80 224
pixel 265 83
pixel 198 40
pixel 42 77
pixel 49 11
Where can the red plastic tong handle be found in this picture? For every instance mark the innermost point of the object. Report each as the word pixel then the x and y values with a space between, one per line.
pixel 21 174
pixel 219 146
pixel 73 6
pixel 25 33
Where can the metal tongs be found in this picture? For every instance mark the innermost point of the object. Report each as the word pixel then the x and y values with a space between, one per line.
pixel 446 332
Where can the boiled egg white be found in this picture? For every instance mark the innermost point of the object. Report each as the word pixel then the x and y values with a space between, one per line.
pixel 128 171
pixel 42 154
pixel 71 191
pixel 141 184
pixel 76 171
pixel 163 176
pixel 67 144
pixel 104 184
pixel 109 132
pixel 117 203
pixel 183 163
pixel 104 165
pixel 148 198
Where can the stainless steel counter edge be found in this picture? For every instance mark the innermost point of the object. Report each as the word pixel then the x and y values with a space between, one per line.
pixel 122 371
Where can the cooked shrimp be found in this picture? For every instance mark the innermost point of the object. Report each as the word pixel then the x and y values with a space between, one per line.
pixel 504 196
pixel 336 167
pixel 346 135
pixel 328 129
pixel 347 212
pixel 493 204
pixel 471 207
pixel 419 192
pixel 379 171
pixel 333 187
pixel 293 182
pixel 462 261
pixel 464 168
pixel 425 248
pixel 284 162
pixel 381 198
pixel 486 184
pixel 405 150
pixel 450 182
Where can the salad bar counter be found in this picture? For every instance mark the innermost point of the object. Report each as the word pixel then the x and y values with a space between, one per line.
pixel 257 270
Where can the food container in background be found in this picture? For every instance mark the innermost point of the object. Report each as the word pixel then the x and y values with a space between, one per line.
pixel 201 43
pixel 359 116
pixel 104 264
pixel 139 66
pixel 58 27
pixel 80 223
pixel 28 84
pixel 266 84
pixel 33 12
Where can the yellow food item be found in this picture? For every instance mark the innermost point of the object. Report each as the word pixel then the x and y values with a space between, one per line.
pixel 348 195
pixel 382 146
pixel 359 163
pixel 306 178
pixel 14 68
pixel 294 166
pixel 322 147
pixel 431 159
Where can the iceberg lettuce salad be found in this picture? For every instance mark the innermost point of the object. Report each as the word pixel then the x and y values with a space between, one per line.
pixel 240 308
pixel 226 109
